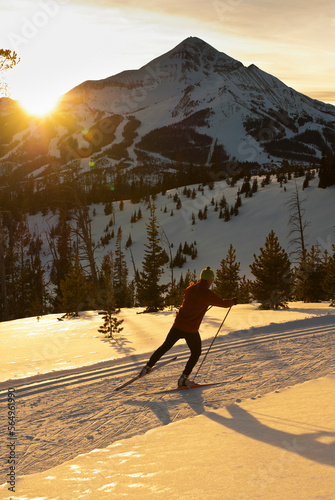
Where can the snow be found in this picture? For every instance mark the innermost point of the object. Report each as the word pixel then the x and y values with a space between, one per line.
pixel 247 232
pixel 260 449
pixel 190 78
pixel 271 435
pixel 37 346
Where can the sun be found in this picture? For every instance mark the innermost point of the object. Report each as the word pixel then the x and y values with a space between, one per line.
pixel 38 104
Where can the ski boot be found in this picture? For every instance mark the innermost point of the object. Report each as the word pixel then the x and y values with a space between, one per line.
pixel 146 369
pixel 184 381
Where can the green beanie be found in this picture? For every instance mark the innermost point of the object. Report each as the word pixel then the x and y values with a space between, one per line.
pixel 207 274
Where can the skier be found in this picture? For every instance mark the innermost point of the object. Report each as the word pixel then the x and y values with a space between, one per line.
pixel 197 299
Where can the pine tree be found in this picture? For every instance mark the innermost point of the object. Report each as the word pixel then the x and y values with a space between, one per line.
pixel 19 285
pixel 254 186
pixel 25 287
pixel 309 276
pixel 38 296
pixel 111 324
pixel 244 293
pixel 179 258
pixel 246 188
pixel 328 283
pixel 272 270
pixel 223 202
pixel 3 284
pixel 149 291
pixel 226 214
pixel 181 286
pixel 227 277
pixel 74 288
pixel 121 290
pixel 59 239
pixel 327 170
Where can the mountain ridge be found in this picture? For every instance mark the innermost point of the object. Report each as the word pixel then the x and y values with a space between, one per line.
pixel 191 105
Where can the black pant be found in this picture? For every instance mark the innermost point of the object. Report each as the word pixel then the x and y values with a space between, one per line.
pixel 193 341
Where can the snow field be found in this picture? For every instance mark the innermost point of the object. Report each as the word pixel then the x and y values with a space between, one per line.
pixel 270 435
pixel 280 445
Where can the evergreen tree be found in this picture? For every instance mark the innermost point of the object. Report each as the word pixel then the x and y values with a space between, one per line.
pixel 190 277
pixel 121 290
pixel 227 277
pixel 106 277
pixel 149 291
pixel 4 312
pixel 327 170
pixel 246 188
pixel 38 296
pixel 25 287
pixel 223 202
pixel 272 270
pixel 309 276
pixel 129 241
pixel 59 239
pixel 179 258
pixel 328 283
pixel 226 214
pixel 19 285
pixel 244 292
pixel 111 324
pixel 74 288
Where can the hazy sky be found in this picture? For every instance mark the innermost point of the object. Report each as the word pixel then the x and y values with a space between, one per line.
pixel 65 42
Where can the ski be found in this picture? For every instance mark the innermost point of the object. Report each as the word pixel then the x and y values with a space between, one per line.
pixel 141 376
pixel 195 386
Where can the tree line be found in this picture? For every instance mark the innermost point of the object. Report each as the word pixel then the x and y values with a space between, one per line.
pixel 76 283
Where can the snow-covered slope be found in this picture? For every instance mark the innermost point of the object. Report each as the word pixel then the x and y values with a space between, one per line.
pixel 75 437
pixel 193 104
pixel 195 89
pixel 266 210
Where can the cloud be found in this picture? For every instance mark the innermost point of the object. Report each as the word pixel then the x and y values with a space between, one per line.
pixel 325 96
pixel 247 18
pixel 283 26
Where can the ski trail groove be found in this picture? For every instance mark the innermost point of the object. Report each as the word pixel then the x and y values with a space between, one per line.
pixel 93 375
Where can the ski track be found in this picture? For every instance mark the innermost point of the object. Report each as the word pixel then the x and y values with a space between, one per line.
pixel 60 419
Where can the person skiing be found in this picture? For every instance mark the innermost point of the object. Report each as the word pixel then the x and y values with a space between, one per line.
pixel 197 298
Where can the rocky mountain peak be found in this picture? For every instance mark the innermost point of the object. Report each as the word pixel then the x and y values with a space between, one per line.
pixel 191 105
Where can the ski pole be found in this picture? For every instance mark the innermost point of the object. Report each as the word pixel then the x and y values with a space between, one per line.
pixel 217 333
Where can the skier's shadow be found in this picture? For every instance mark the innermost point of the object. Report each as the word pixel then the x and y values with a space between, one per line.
pixel 308 445
pixel 160 409
pixel 194 400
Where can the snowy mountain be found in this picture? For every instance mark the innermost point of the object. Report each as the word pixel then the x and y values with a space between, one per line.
pixel 193 104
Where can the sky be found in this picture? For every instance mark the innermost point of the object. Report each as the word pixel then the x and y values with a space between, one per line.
pixel 62 43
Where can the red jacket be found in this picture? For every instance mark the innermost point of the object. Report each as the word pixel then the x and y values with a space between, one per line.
pixel 197 299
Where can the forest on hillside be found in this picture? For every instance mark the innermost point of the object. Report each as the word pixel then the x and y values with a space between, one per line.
pixel 73 281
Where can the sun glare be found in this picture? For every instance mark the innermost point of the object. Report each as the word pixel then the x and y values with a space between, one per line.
pixel 39 105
